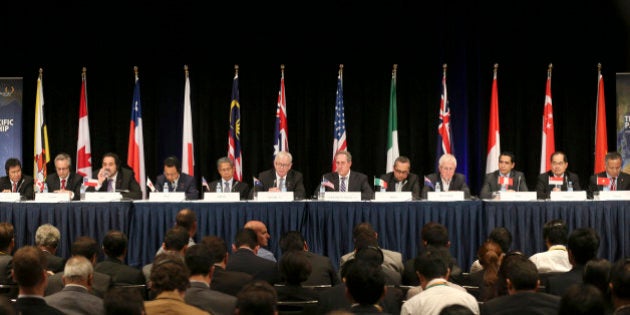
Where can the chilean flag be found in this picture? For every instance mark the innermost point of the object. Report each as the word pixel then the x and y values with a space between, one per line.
pixel 548 142
pixel 494 140
pixel 135 152
pixel 188 158
pixel 84 152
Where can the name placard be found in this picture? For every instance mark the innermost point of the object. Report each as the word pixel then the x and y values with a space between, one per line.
pixel 52 197
pixel 614 195
pixel 445 195
pixel 342 196
pixel 567 195
pixel 10 197
pixel 221 196
pixel 393 196
pixel 275 196
pixel 517 195
pixel 172 196
pixel 102 196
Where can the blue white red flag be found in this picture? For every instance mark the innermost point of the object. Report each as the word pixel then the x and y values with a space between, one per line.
pixel 339 142
pixel 281 137
pixel 234 134
pixel 445 140
pixel 328 184
pixel 428 182
pixel 204 183
pixel 135 151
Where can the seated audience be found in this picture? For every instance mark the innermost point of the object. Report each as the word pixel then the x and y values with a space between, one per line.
pixel 556 258
pixel 47 238
pixel 123 301
pixel 499 235
pixel 323 272
pixel 582 299
pixel 365 283
pixel 75 297
pixel 228 282
pixel 244 258
pixel 490 256
pixel 620 286
pixel 115 248
pixel 29 272
pixel 257 298
pixel 295 268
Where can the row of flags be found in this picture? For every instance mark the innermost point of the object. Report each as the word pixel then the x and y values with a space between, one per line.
pixel 135 154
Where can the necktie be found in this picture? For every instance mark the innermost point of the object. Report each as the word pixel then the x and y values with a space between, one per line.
pixel 613 184
pixel 398 186
pixel 226 187
pixel 63 184
pixel 14 187
pixel 110 185
pixel 342 185
pixel 173 186
pixel 281 182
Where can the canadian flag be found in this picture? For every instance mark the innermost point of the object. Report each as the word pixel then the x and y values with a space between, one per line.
pixel 84 152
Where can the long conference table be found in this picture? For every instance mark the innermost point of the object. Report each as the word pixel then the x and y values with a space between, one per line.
pixel 326 225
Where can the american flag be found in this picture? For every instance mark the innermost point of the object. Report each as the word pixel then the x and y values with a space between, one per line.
pixel 339 144
pixel 135 152
pixel 548 140
pixel 444 142
pixel 281 133
pixel 234 134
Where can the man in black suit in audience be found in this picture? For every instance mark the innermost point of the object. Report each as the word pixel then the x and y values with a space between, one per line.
pixel 610 179
pixel 75 297
pixel 176 180
pixel 345 180
pixel 29 271
pixel 401 179
pixel 620 286
pixel 559 173
pixel 244 258
pixel 228 282
pixel 15 181
pixel 273 179
pixel 47 239
pixel 65 180
pixel 227 182
pixel 7 244
pixel 506 175
pixel 115 248
pixel 113 177
pixel 447 177
pixel 322 270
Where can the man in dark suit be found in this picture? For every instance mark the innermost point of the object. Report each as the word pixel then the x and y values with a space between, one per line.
pixel 345 180
pixel 522 283
pixel 401 179
pixel 75 297
pixel 244 258
pixel 506 176
pixel 322 270
pixel 227 183
pixel 200 263
pixel 65 181
pixel 29 271
pixel 447 177
pixel 7 244
pixel 15 181
pixel 282 175
pixel 47 239
pixel 176 180
pixel 620 286
pixel 228 282
pixel 557 178
pixel 612 178
pixel 113 177
pixel 115 248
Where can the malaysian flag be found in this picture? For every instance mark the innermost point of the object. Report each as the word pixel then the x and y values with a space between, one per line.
pixel 135 152
pixel 281 140
pixel 339 144
pixel 444 143
pixel 234 134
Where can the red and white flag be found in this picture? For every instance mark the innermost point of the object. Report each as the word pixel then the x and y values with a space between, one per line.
pixel 556 180
pixel 548 138
pixel 339 142
pixel 188 157
pixel 601 143
pixel 494 140
pixel 135 152
pixel 84 151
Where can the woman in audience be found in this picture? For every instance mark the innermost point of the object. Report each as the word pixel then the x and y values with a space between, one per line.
pixel 490 255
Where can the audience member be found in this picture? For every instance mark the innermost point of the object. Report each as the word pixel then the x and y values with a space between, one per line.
pixel 29 271
pixel 295 268
pixel 522 284
pixel 257 298
pixel 65 180
pixel 447 178
pixel 456 309
pixel 401 178
pixel 556 258
pixel 123 301
pixel 612 178
pixel 282 176
pixel 175 242
pixel 47 238
pixel 115 249
pixel 175 180
pixel 582 299
pixel 323 272
pixel 114 177
pixel 228 282
pixel 490 255
pixel 169 281
pixel 263 238
pixel 557 178
pixel 75 298
pixel 345 180
pixel 7 244
pixel 15 181
pixel 620 286
pixel 244 258
pixel 597 273
pixel 186 219
pixel 506 176
pixel 227 182
pixel 200 263
pixel 499 235
pixel 441 252
pixel 365 283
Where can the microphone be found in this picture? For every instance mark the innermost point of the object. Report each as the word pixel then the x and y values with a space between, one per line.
pixel 234 184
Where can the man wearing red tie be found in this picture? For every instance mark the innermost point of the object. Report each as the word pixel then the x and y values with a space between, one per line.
pixel 65 181
pixel 611 179
pixel 15 181
pixel 558 178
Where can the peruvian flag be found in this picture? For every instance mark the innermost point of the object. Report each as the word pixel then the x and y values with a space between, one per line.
pixel 494 140
pixel 84 153
pixel 548 142
pixel 601 145
pixel 135 152
pixel 188 158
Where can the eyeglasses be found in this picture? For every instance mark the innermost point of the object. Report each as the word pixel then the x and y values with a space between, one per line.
pixel 278 164
pixel 401 172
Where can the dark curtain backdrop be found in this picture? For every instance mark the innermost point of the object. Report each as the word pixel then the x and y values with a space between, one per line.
pixel 312 39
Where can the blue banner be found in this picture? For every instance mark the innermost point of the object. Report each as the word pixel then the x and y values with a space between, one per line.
pixel 10 119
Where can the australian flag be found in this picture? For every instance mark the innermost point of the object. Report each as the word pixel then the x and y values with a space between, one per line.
pixel 444 141
pixel 281 132
pixel 234 134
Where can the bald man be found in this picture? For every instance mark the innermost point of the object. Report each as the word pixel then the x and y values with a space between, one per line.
pixel 263 238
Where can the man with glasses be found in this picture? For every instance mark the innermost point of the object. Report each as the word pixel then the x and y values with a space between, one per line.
pixel 65 181
pixel 401 179
pixel 282 177
pixel 447 179
pixel 227 182
pixel 558 178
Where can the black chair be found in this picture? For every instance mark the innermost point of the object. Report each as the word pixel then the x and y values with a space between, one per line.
pixel 473 290
pixel 142 288
pixel 297 307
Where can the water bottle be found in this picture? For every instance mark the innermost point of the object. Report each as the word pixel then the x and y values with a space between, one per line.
pixel 322 191
pixel 45 189
pixel 438 187
pixel 569 186
pixel 83 188
pixel 165 189
pixel 218 188
pixel 383 189
pixel 503 187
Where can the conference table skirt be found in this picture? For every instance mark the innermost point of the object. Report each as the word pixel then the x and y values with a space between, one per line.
pixel 326 226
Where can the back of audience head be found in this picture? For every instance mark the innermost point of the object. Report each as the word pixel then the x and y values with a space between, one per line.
pixel 583 245
pixel 555 232
pixel 216 246
pixel 435 235
pixel 7 236
pixel 369 254
pixel 363 227
pixel 432 264
pixel 123 301
pixel 115 243
pixel 246 237
pixel 257 298
pixel 597 273
pixel 295 267
pixel 176 239
pixel 78 269
pixel 186 219
pixel 456 309
pixel 365 283
pixel 199 260
pixel 47 235
pixel 582 299
pixel 29 266
pixel 521 274
pixel 620 282
pixel 85 246
pixel 169 273
pixel 490 256
pixel 507 260
pixel 291 240
pixel 501 236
